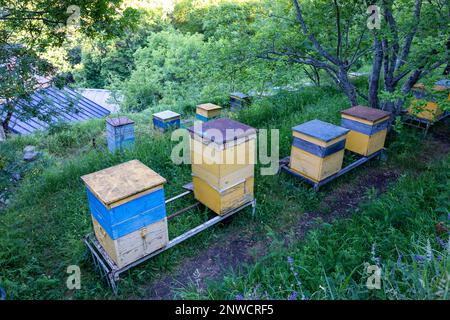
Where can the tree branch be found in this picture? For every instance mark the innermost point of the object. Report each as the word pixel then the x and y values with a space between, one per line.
pixel 409 38
pixel 311 37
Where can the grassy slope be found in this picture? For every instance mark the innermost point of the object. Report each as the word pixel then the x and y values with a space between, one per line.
pixel 40 233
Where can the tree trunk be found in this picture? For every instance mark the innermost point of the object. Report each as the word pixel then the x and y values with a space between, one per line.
pixel 374 80
pixel 347 86
pixel 5 123
pixel 406 88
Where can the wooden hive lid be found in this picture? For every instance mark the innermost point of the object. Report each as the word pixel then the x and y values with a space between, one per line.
pixel 419 86
pixel 165 115
pixel 120 182
pixel 321 130
pixel 121 121
pixel 229 130
pixel 366 113
pixel 209 106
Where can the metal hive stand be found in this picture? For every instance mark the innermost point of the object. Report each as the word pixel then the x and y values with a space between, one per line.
pixel 420 123
pixel 111 272
pixel 284 165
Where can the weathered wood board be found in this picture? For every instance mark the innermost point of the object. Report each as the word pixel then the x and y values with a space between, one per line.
pixel 135 245
pixel 126 197
pixel 223 201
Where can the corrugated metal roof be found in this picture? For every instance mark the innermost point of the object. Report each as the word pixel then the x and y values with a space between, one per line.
pixel 101 97
pixel 59 105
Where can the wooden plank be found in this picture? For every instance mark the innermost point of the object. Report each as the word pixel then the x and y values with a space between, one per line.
pixel 135 245
pixel 221 201
pixel 363 144
pixel 315 167
pixel 122 181
pixel 209 106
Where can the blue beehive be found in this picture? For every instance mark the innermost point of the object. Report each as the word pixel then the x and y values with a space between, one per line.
pixel 120 133
pixel 128 210
pixel 238 100
pixel 166 120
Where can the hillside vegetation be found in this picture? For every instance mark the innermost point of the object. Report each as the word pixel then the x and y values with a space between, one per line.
pixel 41 230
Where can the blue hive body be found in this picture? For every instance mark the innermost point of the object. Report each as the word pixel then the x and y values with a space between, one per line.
pixel 166 120
pixel 128 217
pixel 120 133
pixel 128 210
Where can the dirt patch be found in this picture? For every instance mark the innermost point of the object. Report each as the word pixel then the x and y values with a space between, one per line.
pixel 233 251
pixel 437 143
pixel 340 203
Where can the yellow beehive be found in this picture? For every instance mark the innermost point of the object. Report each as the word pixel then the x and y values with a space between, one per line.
pixel 223 155
pixel 368 129
pixel 422 107
pixel 208 111
pixel 317 149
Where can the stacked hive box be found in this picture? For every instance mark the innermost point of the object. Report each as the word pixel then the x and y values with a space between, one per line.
pixel 368 129
pixel 208 111
pixel 120 133
pixel 223 156
pixel 166 120
pixel 128 210
pixel 238 100
pixel 424 105
pixel 317 149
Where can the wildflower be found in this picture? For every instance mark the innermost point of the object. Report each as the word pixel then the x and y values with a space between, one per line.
pixel 399 260
pixel 290 261
pixel 441 242
pixel 293 295
pixel 239 297
pixel 419 258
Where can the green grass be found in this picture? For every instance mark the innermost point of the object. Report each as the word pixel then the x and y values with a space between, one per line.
pixel 395 231
pixel 41 231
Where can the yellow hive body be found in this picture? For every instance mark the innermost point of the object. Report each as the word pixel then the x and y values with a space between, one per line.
pixel 223 171
pixel 223 201
pixel 423 109
pixel 208 110
pixel 313 166
pixel 133 246
pixel 368 129
pixel 363 144
pixel 430 111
